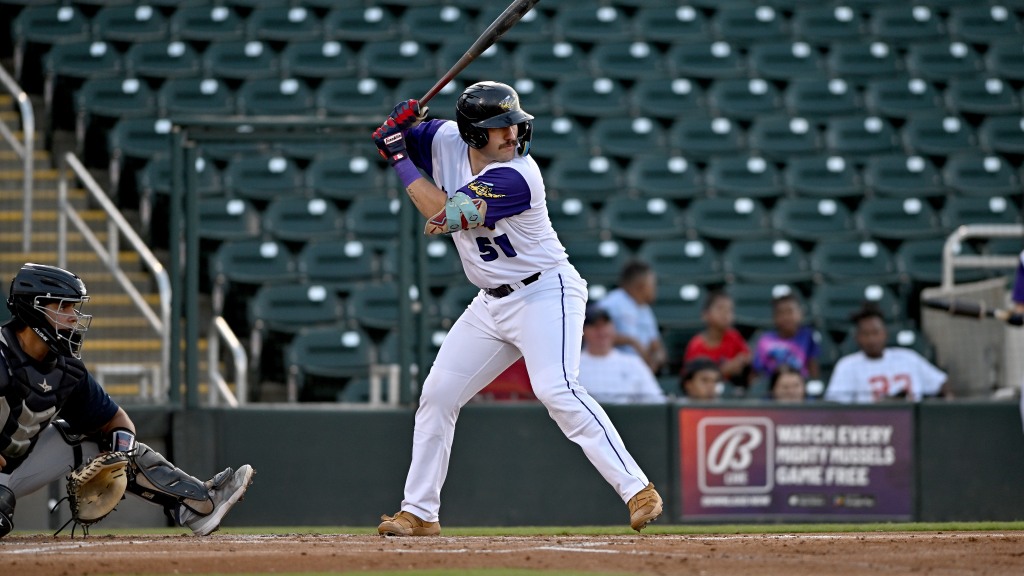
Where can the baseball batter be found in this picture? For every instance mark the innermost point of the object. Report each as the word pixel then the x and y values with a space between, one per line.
pixel 42 377
pixel 488 193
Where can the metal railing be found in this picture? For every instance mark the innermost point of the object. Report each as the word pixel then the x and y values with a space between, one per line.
pixel 951 260
pixel 117 226
pixel 23 149
pixel 219 330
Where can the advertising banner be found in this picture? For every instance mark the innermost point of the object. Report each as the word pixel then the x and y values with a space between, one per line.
pixel 829 463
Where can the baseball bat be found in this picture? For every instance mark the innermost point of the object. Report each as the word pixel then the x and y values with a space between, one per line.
pixel 972 309
pixel 506 20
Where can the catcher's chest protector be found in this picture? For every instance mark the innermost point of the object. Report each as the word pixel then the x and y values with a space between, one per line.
pixel 30 396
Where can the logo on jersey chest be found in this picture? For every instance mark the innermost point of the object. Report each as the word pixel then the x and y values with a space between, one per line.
pixel 44 386
pixel 483 189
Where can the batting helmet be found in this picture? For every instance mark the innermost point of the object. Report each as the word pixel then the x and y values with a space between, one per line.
pixel 492 105
pixel 33 288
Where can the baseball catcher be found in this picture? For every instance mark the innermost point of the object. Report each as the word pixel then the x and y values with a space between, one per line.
pixel 92 446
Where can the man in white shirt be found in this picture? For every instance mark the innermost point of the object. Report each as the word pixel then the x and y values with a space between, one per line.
pixel 630 308
pixel 610 375
pixel 878 373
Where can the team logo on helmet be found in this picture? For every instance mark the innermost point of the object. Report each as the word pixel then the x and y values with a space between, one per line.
pixel 509 102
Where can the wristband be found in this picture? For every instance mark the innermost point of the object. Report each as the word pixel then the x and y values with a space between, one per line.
pixel 407 171
pixel 122 440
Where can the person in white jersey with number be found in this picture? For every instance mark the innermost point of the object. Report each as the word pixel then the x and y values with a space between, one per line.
pixel 488 193
pixel 878 373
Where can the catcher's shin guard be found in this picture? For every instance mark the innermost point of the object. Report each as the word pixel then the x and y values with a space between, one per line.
pixel 6 511
pixel 157 480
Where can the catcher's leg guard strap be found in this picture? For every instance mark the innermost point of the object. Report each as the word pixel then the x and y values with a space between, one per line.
pixel 159 481
pixel 6 511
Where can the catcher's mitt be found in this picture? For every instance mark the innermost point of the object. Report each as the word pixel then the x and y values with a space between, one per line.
pixel 95 487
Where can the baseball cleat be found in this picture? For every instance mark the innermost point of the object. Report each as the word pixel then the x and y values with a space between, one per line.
pixel 226 489
pixel 644 508
pixel 407 524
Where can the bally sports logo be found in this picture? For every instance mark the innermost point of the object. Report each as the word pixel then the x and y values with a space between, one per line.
pixel 735 455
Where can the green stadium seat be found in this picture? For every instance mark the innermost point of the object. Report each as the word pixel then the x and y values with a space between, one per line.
pixel 534 26
pixel 943 60
pixel 494 62
pixel 358 96
pixel 982 24
pixel 671 24
pixel 702 137
pixel 573 218
pixel 241 60
pixel 904 24
pixel 901 97
pixel 701 60
pixel 283 23
pixel 783 137
pixel 752 302
pixel 693 260
pixel 832 304
pixel 667 98
pixel 443 265
pixel 627 137
pixel 599 262
pixel 664 175
pixel 822 177
pixel 852 260
pixel 743 99
pixel 898 218
pixel 549 61
pixel 163 60
pixel 859 136
pixel 1005 59
pixel 262 177
pixel 207 24
pixel 818 99
pixel 824 24
pixel 195 96
pixel 383 59
pixel 743 176
pixel 960 210
pixel 557 135
pixel 901 176
pixel 677 305
pixel 132 140
pixel 342 176
pixel 786 61
pixel 437 25
pixel 777 260
pixel 749 24
pixel 982 96
pixel 100 102
pixel 921 261
pixel 223 219
pixel 813 219
pixel 978 174
pixel 728 218
pixel 454 301
pixel 584 176
pixel 130 23
pixel 294 219
pixel 937 134
pixel 1002 134
pixel 360 24
pixel 275 96
pixel 1002 247
pixel 533 96
pixel 857 62
pixel 239 268
pixel 66 66
pixel 373 219
pixel 337 263
pixel 627 60
pixel 641 218
pixel 153 182
pixel 326 354
pixel 590 97
pixel 36 28
pixel 317 59
pixel 592 23
pixel 374 306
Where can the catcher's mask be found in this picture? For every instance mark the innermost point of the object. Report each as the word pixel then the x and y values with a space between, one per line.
pixel 49 300
pixel 492 105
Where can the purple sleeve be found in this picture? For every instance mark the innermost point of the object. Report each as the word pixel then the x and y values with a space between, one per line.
pixel 1018 281
pixel 417 142
pixel 505 191
pixel 88 407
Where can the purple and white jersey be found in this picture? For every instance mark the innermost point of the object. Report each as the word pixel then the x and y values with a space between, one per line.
pixel 517 239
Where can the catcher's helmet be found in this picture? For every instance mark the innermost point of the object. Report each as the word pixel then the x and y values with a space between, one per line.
pixel 491 105
pixel 37 285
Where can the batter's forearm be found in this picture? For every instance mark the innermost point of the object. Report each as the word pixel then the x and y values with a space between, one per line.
pixel 427 198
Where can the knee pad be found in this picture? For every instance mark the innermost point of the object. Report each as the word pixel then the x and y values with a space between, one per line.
pixel 6 511
pixel 155 479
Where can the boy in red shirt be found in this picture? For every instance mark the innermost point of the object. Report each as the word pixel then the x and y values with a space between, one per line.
pixel 720 341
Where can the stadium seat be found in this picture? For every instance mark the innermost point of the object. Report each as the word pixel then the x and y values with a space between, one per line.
pixel 749 24
pixel 275 96
pixel 573 218
pixel 396 60
pixel 134 139
pixel 239 267
pixel 628 60
pixel 937 134
pixel 534 97
pixel 443 266
pixel 752 302
pixel 331 353
pixel 743 176
pixel 262 177
pixel 813 219
pixel 130 24
pixel 1002 134
pixel 902 176
pixel 534 26
pixel 584 176
pixel 241 60
pixel 372 23
pixel 897 218
pixel 667 98
pixel 1005 59
pixel 857 62
pixel 899 25
pixel 592 23
pixel 692 260
pixel 494 62
pixel 852 260
pixel 822 177
pixel 44 26
pixel 728 218
pixel 598 262
pixel 823 25
pixel 549 61
pixel 664 175
pixel 316 59
pixel 982 96
pixel 959 210
pixel 337 263
pixel 702 137
pixel 743 99
pixel 757 260
pixel 859 136
pixel 982 24
pixel 294 219
pixel 437 25
pixel 940 61
pixel 342 176
pixel 100 102
pixel 978 174
pixel 1002 247
pixel 374 306
pixel 214 24
pixel 627 137
pixel 700 60
pixel 591 97
pixel 66 67
pixel 195 96
pixel 901 97
pixel 677 305
pixel 358 96
pixel 228 219
pixel 641 218
pixel 783 137
pixel 283 24
pixel 671 24
pixel 163 60
pixel 557 135
pixel 154 185
pixel 373 219
pixel 453 302
pixel 818 99
pixel 832 304
pixel 786 61
pixel 921 261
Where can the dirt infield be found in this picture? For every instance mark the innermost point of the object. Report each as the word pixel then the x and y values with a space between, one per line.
pixel 990 553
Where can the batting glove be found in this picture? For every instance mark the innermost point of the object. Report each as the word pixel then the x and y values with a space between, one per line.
pixel 390 141
pixel 408 114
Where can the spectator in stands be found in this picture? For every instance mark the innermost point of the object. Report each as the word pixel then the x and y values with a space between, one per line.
pixel 720 342
pixel 877 373
pixel 701 380
pixel 787 386
pixel 629 306
pixel 610 375
pixel 791 344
